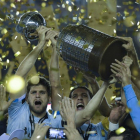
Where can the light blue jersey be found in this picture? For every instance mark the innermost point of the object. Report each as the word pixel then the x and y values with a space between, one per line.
pixel 19 115
pixel 98 128
pixel 133 104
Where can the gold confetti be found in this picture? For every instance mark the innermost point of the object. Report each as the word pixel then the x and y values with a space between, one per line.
pixel 39 58
pixel 101 22
pixel 50 111
pixel 117 88
pixel 21 37
pixel 17 53
pixel 129 21
pixel 33 46
pixel 55 113
pixel 85 46
pixel 71 88
pixel 63 5
pixel 17 13
pixel 15 84
pixel 59 95
pixel 82 10
pixel 49 43
pixel 43 4
pixel 67 2
pixel 57 11
pixel 70 8
pixel 78 38
pixel 4 31
pixel 103 133
pixel 34 80
pixel 120 130
pixel 91 132
pixel 12 5
pixel 3 56
pixel 1 19
pixel 15 37
pixel 105 123
pixel 112 98
pixel 128 110
pixel 7 61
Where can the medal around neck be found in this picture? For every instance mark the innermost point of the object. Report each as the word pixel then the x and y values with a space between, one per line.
pixel 90 50
pixel 28 23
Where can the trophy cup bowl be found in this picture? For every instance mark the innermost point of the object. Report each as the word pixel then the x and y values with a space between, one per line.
pixel 28 23
pixel 90 50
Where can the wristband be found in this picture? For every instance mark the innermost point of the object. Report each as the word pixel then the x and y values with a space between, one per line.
pixel 113 126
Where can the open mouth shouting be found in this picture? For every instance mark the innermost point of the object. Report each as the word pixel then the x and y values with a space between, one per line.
pixel 80 106
pixel 37 103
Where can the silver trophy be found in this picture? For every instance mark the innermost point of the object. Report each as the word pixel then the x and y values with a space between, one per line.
pixel 90 50
pixel 28 23
pixel 80 46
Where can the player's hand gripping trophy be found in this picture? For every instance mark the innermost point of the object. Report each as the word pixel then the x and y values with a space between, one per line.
pixel 80 46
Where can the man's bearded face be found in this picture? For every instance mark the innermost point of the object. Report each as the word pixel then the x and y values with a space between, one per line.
pixel 38 99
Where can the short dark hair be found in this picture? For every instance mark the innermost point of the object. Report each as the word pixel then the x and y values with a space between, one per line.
pixel 127 134
pixel 42 81
pixel 84 87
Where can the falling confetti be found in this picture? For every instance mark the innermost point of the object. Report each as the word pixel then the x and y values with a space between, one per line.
pixel 120 130
pixel 15 84
pixel 17 53
pixel 55 113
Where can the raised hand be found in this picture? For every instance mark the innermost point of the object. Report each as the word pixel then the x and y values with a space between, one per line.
pixel 68 111
pixel 42 32
pixel 72 134
pixel 130 45
pixel 127 61
pixel 122 72
pixel 39 132
pixel 52 35
pixel 3 103
pixel 117 111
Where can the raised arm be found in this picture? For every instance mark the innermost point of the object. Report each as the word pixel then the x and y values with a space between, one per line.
pixel 135 68
pixel 124 74
pixel 104 107
pixel 86 114
pixel 4 104
pixel 54 75
pixel 30 59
